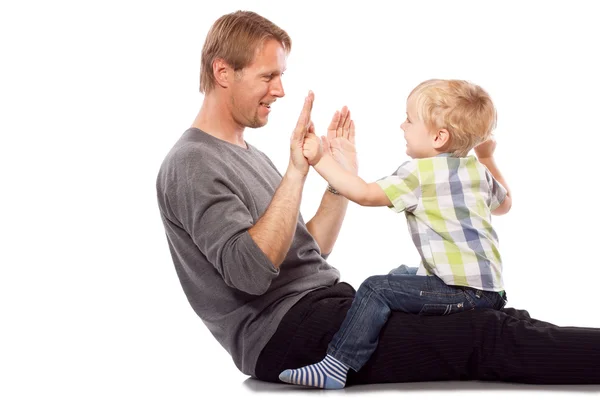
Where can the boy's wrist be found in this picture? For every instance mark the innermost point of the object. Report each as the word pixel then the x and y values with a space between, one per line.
pixel 331 189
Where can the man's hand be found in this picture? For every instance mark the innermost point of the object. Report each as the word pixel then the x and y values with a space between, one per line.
pixel 313 148
pixel 486 149
pixel 340 141
pixel 298 162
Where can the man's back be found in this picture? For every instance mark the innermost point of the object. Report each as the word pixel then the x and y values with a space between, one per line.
pixel 210 192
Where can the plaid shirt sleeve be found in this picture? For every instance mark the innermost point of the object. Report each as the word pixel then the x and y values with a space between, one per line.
pixel 402 187
pixel 496 191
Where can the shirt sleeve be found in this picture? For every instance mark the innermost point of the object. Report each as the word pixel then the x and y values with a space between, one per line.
pixel 497 192
pixel 218 221
pixel 402 187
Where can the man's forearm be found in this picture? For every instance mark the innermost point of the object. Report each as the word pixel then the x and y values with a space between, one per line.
pixel 274 231
pixel 326 224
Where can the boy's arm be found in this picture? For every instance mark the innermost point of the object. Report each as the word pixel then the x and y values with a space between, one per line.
pixel 351 186
pixel 485 154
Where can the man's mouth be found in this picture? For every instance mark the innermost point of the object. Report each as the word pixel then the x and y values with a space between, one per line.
pixel 266 105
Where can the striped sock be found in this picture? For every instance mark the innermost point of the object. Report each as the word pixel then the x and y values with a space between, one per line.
pixel 327 374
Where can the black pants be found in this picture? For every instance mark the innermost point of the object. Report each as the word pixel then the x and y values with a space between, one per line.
pixel 487 345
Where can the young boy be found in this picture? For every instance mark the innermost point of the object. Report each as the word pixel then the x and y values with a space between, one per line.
pixel 448 198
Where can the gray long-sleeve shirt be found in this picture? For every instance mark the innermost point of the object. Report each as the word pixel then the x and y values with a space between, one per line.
pixel 210 192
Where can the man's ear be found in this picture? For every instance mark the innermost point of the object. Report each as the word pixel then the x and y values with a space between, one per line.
pixel 441 139
pixel 222 72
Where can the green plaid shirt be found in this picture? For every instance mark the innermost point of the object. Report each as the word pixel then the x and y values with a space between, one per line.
pixel 448 202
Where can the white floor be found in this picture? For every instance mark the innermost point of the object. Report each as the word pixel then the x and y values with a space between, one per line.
pixel 463 390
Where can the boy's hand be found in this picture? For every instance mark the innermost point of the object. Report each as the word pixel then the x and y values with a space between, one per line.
pixel 340 142
pixel 312 149
pixel 486 149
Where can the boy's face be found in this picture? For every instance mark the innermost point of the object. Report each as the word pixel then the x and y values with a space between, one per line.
pixel 419 138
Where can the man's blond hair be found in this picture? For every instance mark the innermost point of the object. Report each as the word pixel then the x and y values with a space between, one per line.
pixel 235 38
pixel 462 108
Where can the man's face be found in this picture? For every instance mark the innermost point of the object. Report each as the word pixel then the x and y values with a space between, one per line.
pixel 419 139
pixel 258 85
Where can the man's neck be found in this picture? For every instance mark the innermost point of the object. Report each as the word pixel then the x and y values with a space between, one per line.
pixel 215 119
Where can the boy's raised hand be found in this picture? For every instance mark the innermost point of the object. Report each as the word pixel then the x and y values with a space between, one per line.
pixel 340 141
pixel 486 149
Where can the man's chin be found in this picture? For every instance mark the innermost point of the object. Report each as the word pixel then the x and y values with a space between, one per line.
pixel 258 123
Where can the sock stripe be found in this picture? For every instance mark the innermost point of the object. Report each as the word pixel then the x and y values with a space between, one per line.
pixel 336 362
pixel 314 376
pixel 329 373
pixel 335 369
pixel 322 373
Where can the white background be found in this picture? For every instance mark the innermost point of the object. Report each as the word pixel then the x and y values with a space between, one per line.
pixel 94 94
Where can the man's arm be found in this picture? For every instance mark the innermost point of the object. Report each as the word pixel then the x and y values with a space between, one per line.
pixel 325 226
pixel 274 231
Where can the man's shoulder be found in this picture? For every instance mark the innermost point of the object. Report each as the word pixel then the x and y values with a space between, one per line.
pixel 190 150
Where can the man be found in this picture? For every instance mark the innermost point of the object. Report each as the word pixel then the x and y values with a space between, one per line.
pixel 256 274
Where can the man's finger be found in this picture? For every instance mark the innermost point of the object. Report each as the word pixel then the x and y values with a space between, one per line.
pixel 304 118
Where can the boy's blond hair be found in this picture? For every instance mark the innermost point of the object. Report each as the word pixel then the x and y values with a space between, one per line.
pixel 462 108
pixel 234 38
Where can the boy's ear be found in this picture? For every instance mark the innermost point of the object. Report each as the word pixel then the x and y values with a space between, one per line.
pixel 223 72
pixel 441 139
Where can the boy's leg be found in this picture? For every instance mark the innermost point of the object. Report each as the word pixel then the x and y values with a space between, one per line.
pixel 379 295
pixel 356 339
pixel 358 336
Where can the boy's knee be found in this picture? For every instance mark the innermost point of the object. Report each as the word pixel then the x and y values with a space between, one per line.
pixel 374 282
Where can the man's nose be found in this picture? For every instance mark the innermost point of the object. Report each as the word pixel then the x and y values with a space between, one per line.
pixel 277 88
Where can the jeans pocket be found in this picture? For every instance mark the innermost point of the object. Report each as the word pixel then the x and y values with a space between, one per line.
pixel 441 309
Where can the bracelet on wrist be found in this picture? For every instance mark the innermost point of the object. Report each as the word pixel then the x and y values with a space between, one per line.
pixel 332 190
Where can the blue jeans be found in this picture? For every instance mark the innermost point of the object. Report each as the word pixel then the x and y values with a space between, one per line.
pixel 400 290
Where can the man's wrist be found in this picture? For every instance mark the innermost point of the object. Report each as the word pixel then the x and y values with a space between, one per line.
pixel 294 174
